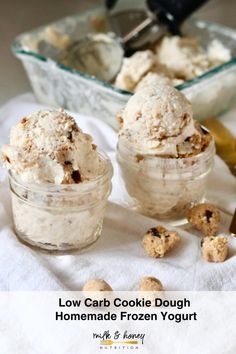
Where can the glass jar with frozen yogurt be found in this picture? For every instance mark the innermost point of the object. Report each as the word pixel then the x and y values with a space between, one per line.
pixel 59 182
pixel 165 156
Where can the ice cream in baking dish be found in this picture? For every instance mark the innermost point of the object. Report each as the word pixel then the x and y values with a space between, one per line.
pixel 175 59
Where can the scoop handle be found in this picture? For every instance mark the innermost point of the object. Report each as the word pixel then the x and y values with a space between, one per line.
pixel 179 10
pixel 110 4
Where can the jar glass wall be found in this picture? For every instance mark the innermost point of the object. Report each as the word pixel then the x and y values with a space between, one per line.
pixel 165 188
pixel 60 217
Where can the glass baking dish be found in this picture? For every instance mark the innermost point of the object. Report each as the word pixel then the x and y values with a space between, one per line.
pixel 55 84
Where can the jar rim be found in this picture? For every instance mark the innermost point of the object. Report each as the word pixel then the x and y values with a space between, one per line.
pixel 83 187
pixel 170 161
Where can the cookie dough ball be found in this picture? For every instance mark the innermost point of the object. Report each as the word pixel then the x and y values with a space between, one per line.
pixel 158 240
pixel 96 285
pixel 150 284
pixel 214 248
pixel 205 217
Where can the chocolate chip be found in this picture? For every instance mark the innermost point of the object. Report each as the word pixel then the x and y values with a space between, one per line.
pixel 76 176
pixel 75 127
pixel 208 215
pixel 139 157
pixel 162 135
pixel 68 162
pixel 154 232
pixel 24 120
pixel 202 241
pixel 70 136
pixel 187 139
pixel 25 195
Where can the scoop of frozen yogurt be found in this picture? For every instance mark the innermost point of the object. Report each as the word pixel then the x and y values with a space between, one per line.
pixel 49 147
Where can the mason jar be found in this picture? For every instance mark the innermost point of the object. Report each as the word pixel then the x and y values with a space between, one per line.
pixel 60 217
pixel 164 188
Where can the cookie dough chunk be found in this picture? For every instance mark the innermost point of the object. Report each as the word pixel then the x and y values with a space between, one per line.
pixel 214 248
pixel 97 285
pixel 205 217
pixel 134 68
pixel 150 284
pixel 158 240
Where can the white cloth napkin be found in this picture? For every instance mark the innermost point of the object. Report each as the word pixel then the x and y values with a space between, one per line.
pixel 118 256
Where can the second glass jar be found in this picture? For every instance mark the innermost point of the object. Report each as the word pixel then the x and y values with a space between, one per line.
pixel 165 188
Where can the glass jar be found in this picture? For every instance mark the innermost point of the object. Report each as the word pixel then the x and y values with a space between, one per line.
pixel 164 188
pixel 60 217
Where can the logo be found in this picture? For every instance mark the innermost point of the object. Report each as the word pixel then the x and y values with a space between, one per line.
pixel 119 340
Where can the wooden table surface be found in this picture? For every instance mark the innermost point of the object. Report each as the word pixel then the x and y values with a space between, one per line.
pixel 19 16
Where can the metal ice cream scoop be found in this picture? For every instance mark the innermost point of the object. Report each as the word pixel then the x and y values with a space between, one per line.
pixel 99 55
pixel 133 29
